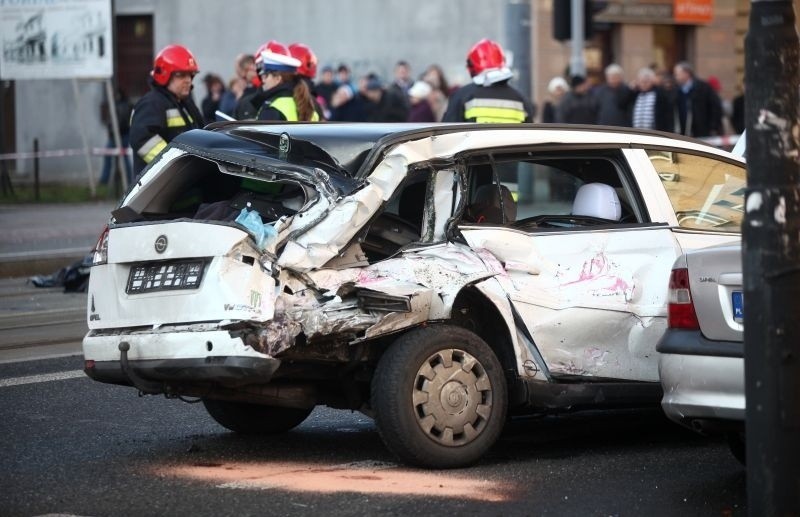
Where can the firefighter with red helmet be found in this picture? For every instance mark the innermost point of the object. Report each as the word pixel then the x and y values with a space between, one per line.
pixel 167 110
pixel 286 96
pixel 307 72
pixel 488 98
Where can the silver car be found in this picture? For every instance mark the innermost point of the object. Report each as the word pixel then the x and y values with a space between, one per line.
pixel 702 353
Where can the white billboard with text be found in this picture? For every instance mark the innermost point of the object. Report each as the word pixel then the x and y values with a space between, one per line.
pixel 55 39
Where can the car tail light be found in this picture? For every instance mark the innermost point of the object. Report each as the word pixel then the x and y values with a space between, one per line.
pixel 681 313
pixel 100 252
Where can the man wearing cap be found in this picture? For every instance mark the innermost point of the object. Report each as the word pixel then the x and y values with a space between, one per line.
pixel 488 98
pixel 167 110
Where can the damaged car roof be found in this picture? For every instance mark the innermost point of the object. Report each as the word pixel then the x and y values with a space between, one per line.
pixel 351 148
pixel 341 147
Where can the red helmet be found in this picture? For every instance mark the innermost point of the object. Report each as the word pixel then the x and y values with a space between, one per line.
pixel 171 59
pixel 271 46
pixel 485 55
pixel 308 60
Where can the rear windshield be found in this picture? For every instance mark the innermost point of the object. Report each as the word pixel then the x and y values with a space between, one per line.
pixel 196 188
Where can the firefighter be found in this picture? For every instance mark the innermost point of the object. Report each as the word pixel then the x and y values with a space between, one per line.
pixel 286 96
pixel 167 110
pixel 488 98
pixel 308 72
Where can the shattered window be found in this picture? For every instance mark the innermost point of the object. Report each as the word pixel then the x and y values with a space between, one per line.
pixel 402 220
pixel 543 188
pixel 705 193
pixel 205 190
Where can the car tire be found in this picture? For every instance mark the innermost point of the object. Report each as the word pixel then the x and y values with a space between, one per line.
pixel 244 418
pixel 738 446
pixel 439 397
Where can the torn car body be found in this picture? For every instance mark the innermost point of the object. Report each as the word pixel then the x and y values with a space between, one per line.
pixel 369 236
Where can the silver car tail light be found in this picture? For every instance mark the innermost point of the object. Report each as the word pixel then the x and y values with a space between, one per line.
pixel 680 310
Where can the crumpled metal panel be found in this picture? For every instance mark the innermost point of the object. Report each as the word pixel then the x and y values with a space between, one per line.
pixel 338 227
pixel 595 303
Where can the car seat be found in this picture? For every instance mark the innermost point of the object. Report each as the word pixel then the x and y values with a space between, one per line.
pixel 597 200
pixel 487 207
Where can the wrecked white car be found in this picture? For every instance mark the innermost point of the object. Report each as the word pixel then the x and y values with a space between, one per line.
pixel 436 277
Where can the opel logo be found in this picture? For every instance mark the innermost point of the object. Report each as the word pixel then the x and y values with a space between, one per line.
pixel 161 244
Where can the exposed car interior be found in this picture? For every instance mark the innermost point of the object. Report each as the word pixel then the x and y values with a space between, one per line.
pixel 548 191
pixel 401 221
pixel 196 188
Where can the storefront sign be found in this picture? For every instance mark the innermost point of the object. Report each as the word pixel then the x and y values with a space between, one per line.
pixel 679 11
pixel 693 11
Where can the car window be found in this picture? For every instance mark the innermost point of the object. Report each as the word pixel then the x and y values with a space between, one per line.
pixel 541 191
pixel 706 193
pixel 401 221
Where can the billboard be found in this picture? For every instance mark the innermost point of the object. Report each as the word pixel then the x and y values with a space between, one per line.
pixel 55 39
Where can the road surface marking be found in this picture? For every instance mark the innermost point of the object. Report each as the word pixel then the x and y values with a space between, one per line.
pixel 47 377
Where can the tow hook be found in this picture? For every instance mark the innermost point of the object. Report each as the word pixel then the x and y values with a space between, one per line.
pixel 143 385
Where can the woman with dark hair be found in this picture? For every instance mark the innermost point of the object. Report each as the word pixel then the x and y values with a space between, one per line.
pixel 286 96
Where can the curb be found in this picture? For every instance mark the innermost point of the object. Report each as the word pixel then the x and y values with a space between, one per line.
pixel 31 263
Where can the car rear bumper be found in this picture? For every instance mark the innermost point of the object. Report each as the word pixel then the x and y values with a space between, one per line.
pixel 700 389
pixel 175 358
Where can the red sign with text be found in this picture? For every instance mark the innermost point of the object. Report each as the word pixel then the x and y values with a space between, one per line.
pixel 693 11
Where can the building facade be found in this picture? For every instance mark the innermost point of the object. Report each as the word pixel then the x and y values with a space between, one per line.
pixel 369 36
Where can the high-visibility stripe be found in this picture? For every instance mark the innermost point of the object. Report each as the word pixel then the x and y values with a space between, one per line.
pixel 175 118
pixel 495 110
pixel 151 148
pixel 288 108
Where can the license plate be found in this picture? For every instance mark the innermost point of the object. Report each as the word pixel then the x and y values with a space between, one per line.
pixel 165 276
pixel 738 306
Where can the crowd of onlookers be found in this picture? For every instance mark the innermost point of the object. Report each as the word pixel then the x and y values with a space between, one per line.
pixel 676 101
pixel 344 98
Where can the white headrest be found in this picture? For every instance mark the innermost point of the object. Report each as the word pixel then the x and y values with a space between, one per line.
pixel 597 200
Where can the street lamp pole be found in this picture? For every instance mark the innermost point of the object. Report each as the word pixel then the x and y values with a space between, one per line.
pixel 771 260
pixel 577 65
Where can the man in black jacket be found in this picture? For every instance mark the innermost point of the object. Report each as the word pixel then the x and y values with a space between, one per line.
pixel 167 110
pixel 488 98
pixel 698 107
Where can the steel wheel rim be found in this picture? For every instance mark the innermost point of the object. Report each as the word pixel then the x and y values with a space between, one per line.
pixel 452 397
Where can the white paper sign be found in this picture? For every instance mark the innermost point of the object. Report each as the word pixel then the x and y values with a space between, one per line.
pixel 55 39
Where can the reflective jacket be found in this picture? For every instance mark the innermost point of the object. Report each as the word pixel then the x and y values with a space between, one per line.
pixel 279 105
pixel 157 118
pixel 498 103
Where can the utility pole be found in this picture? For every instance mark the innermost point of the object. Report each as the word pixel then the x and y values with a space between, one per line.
pixel 518 38
pixel 577 65
pixel 771 260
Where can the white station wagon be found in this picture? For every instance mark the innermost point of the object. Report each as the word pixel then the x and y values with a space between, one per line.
pixel 435 277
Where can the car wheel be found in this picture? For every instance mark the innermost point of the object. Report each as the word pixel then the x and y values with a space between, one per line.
pixel 245 418
pixel 439 397
pixel 738 447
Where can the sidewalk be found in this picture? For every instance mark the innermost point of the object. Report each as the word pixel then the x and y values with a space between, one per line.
pixel 41 238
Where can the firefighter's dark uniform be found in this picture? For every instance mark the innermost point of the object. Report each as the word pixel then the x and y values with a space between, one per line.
pixel 157 118
pixel 278 104
pixel 498 103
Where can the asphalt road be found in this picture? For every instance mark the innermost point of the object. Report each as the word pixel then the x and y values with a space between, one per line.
pixel 36 322
pixel 74 446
